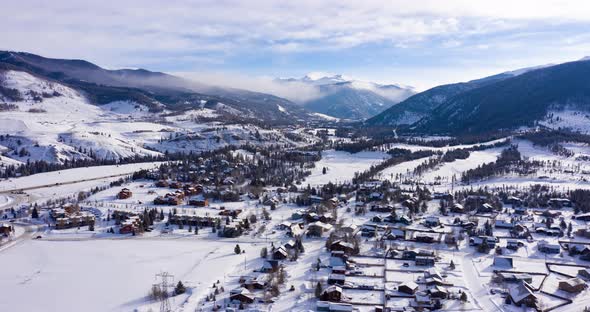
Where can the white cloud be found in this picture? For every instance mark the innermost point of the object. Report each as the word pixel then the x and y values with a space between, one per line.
pixel 295 91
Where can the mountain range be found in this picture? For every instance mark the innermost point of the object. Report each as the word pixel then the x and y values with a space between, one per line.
pixel 345 98
pixel 507 101
pixel 155 90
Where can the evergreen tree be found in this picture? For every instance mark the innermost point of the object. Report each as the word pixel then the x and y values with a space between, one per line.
pixel 35 213
pixel 318 290
pixel 237 249
pixel 179 289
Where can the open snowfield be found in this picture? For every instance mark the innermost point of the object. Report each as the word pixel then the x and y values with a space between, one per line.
pixel 110 275
pixel 72 175
pixel 342 166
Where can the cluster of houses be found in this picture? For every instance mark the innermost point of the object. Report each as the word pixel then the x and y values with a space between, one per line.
pixel 130 222
pixel 70 216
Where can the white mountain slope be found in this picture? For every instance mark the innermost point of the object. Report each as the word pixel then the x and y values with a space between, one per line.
pixel 45 120
pixel 343 97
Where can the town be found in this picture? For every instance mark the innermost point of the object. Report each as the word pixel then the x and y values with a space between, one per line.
pixel 301 230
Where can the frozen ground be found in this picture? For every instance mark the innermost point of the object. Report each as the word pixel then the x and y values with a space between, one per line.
pixel 110 275
pixel 342 166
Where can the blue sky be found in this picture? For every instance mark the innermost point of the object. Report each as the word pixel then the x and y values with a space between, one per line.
pixel 246 43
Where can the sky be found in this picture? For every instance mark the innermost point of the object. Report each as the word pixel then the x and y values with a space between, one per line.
pixel 246 44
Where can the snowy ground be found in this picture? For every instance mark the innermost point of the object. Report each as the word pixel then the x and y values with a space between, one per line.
pixel 342 166
pixel 110 275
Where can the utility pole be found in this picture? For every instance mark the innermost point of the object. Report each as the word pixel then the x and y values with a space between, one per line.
pixel 167 281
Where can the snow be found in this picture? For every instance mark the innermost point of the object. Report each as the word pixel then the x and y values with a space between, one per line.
pixel 71 175
pixel 342 166
pixel 110 275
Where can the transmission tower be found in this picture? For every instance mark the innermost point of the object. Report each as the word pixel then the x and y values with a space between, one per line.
pixel 167 281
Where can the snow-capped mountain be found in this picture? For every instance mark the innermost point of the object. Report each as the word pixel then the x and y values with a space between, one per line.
pixel 156 90
pixel 520 98
pixel 343 97
pixel 52 116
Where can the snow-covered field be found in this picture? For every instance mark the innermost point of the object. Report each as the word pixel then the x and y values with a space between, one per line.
pixel 341 166
pixel 111 275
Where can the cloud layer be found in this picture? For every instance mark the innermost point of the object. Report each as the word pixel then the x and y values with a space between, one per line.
pixel 364 38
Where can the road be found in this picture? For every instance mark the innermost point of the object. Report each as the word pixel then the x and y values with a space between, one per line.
pixel 16 190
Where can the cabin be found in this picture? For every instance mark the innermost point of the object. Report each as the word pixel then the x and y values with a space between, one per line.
pixel 573 285
pixel 409 288
pixel 514 277
pixel 242 295
pixel 504 262
pixel 333 307
pixel 513 244
pixel 584 273
pixel 457 208
pixel 546 247
pixel 438 292
pixel 503 224
pixel 280 253
pixel 432 221
pixel 332 293
pixel 424 238
pixel 424 261
pixel 560 202
pixel 124 194
pixel 347 248
pixel 522 295
pixel 485 208
pixel 5 229
pixel 336 279
pixel 476 241
pixel 199 202
pixel 318 228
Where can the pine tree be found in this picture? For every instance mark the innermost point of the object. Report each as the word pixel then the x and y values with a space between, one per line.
pixel 35 213
pixel 237 249
pixel 318 290
pixel 179 289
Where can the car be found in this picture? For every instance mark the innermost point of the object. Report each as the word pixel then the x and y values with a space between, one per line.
pixel 38 237
pixel 405 265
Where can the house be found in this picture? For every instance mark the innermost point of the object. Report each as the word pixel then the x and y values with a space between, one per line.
pixel 514 201
pixel 514 277
pixel 438 292
pixel 432 221
pixel 318 228
pixel 503 262
pixel 333 307
pixel 485 208
pixel 269 266
pixel 545 247
pixel 336 279
pixel 478 240
pixel 280 253
pixel 347 248
pixel 199 202
pixel 332 293
pixel 432 272
pixel 424 261
pixel 124 194
pixel 424 238
pixel 573 285
pixel 560 202
pixel 409 288
pixel 522 295
pixel 253 283
pixel 583 216
pixel 503 224
pixel 513 244
pixel 457 208
pixel 584 273
pixel 5 229
pixel 242 295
